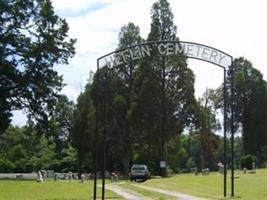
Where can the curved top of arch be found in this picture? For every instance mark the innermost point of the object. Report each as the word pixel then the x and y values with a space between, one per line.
pixel 166 48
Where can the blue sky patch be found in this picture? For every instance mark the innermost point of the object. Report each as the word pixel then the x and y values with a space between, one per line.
pixel 82 11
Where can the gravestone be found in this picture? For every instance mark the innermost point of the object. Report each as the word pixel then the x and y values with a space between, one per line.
pixel 50 173
pixel 65 176
pixel 82 178
pixel 194 170
pixel 70 176
pixel 44 174
pixel 253 171
pixel 19 176
pixel 205 171
pixel 40 177
pixel 114 177
pixel 221 168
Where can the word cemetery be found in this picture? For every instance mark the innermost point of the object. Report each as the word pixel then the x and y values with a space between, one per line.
pixel 167 48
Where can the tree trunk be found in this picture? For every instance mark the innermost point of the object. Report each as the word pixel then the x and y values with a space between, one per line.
pixel 79 165
pixel 126 165
pixel 163 123
pixel 202 160
pixel 164 157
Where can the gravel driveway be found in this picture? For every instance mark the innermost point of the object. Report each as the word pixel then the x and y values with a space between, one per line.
pixel 126 193
pixel 132 195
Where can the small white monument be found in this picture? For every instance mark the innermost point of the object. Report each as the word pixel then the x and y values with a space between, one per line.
pixel 70 176
pixel 82 178
pixel 221 168
pixel 40 177
pixel 253 167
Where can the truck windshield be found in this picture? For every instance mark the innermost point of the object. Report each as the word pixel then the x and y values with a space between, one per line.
pixel 138 168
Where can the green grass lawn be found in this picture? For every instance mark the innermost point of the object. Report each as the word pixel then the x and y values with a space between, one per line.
pixel 247 186
pixel 49 190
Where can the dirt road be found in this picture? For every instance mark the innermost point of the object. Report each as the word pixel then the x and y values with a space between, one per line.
pixel 132 195
pixel 125 193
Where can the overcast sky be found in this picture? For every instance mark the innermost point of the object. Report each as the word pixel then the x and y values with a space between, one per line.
pixel 237 27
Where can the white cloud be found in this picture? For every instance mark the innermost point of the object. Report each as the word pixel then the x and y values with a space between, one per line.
pixel 97 34
pixel 72 92
pixel 19 118
pixel 77 5
pixel 237 27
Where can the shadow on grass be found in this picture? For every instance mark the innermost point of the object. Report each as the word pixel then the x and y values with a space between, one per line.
pixel 228 198
pixel 17 179
pixel 140 180
pixel 81 198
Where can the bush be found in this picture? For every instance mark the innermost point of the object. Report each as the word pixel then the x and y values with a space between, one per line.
pixel 170 171
pixel 264 165
pixel 6 166
pixel 247 160
pixel 190 163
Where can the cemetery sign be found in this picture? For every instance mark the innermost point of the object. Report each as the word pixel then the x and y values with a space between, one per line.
pixel 166 48
pixel 132 55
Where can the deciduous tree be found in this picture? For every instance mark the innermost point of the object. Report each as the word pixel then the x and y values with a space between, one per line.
pixel 32 40
pixel 249 104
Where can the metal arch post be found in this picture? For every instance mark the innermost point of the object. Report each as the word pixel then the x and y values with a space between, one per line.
pixel 232 129
pixel 224 135
pixel 225 109
pixel 104 138
pixel 96 131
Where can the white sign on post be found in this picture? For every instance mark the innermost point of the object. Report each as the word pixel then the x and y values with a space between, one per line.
pixel 162 164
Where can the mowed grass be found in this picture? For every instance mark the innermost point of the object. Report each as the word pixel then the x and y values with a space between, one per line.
pixel 247 186
pixel 49 190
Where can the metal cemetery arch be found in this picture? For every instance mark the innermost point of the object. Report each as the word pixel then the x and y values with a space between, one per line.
pixel 167 48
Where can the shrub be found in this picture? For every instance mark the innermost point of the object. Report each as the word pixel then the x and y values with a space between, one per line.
pixel 6 166
pixel 264 165
pixel 247 160
pixel 190 163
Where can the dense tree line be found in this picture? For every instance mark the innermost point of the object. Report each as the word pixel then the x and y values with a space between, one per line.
pixel 150 103
pixel 32 148
pixel 146 109
pixel 23 149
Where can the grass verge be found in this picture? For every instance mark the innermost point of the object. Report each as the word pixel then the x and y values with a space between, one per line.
pixel 49 190
pixel 247 186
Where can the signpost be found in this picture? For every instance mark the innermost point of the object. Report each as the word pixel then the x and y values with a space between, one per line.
pixel 169 48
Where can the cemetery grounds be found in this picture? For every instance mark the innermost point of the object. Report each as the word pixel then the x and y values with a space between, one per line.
pixel 249 186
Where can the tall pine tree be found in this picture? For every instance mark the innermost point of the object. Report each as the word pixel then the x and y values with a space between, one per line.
pixel 175 79
pixel 128 36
